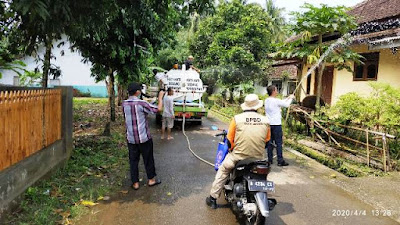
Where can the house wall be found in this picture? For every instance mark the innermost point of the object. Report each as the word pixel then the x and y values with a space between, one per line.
pixel 388 72
pixel 74 72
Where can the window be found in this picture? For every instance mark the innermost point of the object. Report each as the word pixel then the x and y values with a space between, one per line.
pixel 291 87
pixel 369 69
pixel 278 85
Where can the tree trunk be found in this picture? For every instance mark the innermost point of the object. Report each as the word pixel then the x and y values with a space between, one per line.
pixel 299 78
pixel 319 77
pixel 111 95
pixel 121 94
pixel 231 95
pixel 46 62
pixel 319 87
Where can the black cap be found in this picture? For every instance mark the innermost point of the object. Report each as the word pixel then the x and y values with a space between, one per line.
pixel 134 87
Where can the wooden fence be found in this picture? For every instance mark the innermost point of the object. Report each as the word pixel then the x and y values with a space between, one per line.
pixel 382 150
pixel 29 121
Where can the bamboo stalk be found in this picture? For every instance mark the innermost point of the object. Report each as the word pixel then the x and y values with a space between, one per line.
pixel 367 140
pixel 384 154
pixel 361 129
pixel 355 141
pixel 327 133
pixel 319 136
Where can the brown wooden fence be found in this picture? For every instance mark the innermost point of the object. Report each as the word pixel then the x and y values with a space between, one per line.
pixel 29 121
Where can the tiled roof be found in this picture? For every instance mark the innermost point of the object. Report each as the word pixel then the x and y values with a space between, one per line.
pixel 279 70
pixel 372 10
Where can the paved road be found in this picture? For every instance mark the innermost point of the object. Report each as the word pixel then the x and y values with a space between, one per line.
pixel 304 192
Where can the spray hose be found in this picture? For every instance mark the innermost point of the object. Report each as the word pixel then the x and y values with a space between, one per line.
pixel 187 138
pixel 189 145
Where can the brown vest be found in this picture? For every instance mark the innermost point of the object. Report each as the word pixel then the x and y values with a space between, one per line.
pixel 251 132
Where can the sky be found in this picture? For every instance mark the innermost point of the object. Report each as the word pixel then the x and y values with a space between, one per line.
pixel 294 5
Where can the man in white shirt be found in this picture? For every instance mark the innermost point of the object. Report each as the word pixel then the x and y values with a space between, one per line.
pixel 168 115
pixel 273 107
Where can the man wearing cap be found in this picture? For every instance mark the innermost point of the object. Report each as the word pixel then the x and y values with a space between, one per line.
pixel 138 134
pixel 248 132
pixel 189 64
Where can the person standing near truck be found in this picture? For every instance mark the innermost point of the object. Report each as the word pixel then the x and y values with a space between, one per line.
pixel 168 115
pixel 138 134
pixel 189 64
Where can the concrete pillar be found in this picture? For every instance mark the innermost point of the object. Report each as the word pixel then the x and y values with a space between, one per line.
pixel 67 117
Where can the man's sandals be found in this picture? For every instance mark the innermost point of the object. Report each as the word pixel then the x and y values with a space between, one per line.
pixel 156 182
pixel 135 187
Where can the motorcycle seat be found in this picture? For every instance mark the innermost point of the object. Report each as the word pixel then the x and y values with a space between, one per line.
pixel 249 161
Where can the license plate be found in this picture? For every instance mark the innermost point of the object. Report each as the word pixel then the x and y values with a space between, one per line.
pixel 261 185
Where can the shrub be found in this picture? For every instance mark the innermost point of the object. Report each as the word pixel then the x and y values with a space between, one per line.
pixel 379 110
pixel 78 93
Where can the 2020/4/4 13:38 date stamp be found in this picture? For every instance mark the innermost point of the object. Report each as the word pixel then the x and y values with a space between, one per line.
pixel 361 212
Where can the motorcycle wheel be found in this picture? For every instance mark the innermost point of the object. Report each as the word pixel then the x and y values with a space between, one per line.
pixel 258 219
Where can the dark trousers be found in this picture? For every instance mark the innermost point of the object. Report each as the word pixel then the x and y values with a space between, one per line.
pixel 146 149
pixel 276 136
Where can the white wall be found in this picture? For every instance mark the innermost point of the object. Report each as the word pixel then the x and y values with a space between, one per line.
pixel 261 90
pixel 73 70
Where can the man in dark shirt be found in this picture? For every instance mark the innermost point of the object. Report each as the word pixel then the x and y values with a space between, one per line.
pixel 189 64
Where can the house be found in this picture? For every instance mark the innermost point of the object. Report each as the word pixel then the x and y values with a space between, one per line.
pixel 73 71
pixel 283 76
pixel 377 38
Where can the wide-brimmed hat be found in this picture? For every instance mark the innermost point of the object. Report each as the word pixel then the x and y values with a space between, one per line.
pixel 251 102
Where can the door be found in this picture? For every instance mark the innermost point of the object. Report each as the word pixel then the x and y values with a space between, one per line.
pixel 327 81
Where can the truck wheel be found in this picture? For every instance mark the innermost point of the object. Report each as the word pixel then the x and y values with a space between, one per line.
pixel 198 122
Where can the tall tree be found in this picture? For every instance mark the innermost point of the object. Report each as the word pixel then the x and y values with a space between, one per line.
pixel 312 25
pixel 278 21
pixel 234 41
pixel 118 37
pixel 8 53
pixel 8 58
pixel 40 23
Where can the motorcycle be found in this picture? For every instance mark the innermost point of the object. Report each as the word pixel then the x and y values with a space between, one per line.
pixel 247 189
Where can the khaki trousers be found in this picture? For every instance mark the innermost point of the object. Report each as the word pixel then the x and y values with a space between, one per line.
pixel 222 175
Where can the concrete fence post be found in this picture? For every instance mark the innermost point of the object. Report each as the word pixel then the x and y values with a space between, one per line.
pixel 67 118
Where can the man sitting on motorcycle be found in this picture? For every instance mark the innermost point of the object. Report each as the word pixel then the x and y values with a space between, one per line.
pixel 248 132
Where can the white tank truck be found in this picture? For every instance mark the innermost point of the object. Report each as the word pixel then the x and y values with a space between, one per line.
pixel 188 91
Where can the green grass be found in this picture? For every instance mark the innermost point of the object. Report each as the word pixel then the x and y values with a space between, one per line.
pixel 78 102
pixel 82 105
pixel 227 111
pixel 97 167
